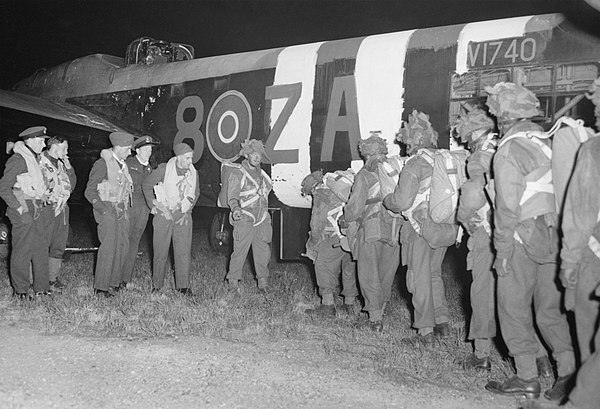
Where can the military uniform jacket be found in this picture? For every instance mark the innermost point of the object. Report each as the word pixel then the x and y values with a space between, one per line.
pixel 479 168
pixel 158 175
pixel 138 172
pixel 15 165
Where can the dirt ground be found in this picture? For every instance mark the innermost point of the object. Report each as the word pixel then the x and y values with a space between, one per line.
pixel 62 371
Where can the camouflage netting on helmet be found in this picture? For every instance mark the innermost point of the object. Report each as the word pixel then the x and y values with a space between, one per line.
pixel 512 101
pixel 418 131
pixel 477 119
pixel 594 96
pixel 253 145
pixel 310 181
pixel 373 145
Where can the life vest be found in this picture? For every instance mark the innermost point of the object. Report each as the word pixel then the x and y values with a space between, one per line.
pixel 118 186
pixel 30 185
pixel 57 181
pixel 175 191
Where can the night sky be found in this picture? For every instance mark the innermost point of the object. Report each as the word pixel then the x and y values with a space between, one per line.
pixel 37 34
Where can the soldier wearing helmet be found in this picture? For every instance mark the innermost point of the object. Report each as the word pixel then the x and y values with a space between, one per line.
pixel 424 274
pixel 324 249
pixel 376 249
pixel 526 242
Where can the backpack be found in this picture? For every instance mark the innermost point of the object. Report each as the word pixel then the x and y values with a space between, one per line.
pixel 389 173
pixel 340 182
pixel 449 173
pixel 226 169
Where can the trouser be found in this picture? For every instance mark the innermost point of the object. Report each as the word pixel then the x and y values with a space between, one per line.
pixel 530 282
pixel 377 264
pixel 327 269
pixel 113 233
pixel 483 289
pixel 57 230
pixel 245 234
pixel 586 394
pixel 586 307
pixel 29 248
pixel 180 234
pixel 138 219
pixel 424 282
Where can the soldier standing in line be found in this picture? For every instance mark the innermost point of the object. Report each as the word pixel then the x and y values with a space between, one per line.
pixel 139 169
pixel 172 190
pixel 324 249
pixel 424 274
pixel 377 249
pixel 23 189
pixel 247 196
pixel 109 191
pixel 580 268
pixel 60 181
pixel 526 243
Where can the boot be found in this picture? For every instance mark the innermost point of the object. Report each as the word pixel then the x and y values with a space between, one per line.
pixel 544 366
pixel 54 266
pixel 561 388
pixel 515 386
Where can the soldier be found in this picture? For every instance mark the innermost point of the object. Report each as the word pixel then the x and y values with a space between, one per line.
pixel 526 243
pixel 139 169
pixel 109 191
pixel 23 189
pixel 377 249
pixel 324 249
pixel 424 260
pixel 247 196
pixel 580 268
pixel 60 181
pixel 172 190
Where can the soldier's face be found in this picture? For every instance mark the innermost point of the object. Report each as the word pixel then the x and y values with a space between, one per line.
pixel 62 150
pixel 122 152
pixel 144 153
pixel 184 161
pixel 254 158
pixel 36 144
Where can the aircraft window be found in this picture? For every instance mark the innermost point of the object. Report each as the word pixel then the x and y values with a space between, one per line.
pixel 491 78
pixel 575 78
pixel 537 79
pixel 465 86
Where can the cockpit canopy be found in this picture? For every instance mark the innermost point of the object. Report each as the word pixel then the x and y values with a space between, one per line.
pixel 148 51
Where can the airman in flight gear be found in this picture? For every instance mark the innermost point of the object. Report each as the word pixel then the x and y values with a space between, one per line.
pixel 247 196
pixel 377 249
pixel 324 249
pixel 139 169
pixel 580 268
pixel 424 274
pixel 172 190
pixel 109 191
pixel 23 189
pixel 60 181
pixel 526 243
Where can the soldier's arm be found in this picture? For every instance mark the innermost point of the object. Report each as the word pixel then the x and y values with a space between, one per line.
pixel 152 180
pixel 510 185
pixel 72 177
pixel 197 189
pixel 581 208
pixel 15 165
pixel 234 188
pixel 97 175
pixel 405 193
pixel 357 200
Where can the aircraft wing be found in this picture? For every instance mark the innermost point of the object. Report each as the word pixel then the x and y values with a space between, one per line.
pixel 55 110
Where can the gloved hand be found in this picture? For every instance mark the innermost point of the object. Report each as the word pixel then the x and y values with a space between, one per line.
pixel 502 267
pixel 236 214
pixel 568 277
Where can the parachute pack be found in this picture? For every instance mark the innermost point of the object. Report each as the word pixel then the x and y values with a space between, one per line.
pixel 226 169
pixel 389 173
pixel 340 182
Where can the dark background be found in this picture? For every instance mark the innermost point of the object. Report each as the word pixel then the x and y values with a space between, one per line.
pixel 37 34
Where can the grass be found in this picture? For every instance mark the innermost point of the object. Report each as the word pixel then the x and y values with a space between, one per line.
pixel 215 312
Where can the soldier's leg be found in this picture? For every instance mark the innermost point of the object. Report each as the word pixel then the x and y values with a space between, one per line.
pixel 261 251
pixel 420 267
pixel 483 319
pixel 440 305
pixel 327 267
pixel 182 252
pixel 107 234
pixel 121 251
pixel 368 279
pixel 163 231
pixel 388 265
pixel 242 239
pixel 39 256
pixel 58 242
pixel 20 256
pixel 586 393
pixel 137 224
pixel 551 321
pixel 515 296
pixel 349 288
pixel 587 307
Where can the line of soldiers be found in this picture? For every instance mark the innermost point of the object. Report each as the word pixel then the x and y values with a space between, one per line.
pixel 507 206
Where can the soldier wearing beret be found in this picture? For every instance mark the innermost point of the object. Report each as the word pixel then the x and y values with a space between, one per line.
pixel 109 191
pixel 24 190
pixel 171 191
pixel 139 169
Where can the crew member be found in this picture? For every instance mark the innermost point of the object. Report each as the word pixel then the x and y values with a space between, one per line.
pixel 526 243
pixel 23 189
pixel 109 191
pixel 324 249
pixel 247 197
pixel 60 182
pixel 139 169
pixel 172 190
pixel 376 249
